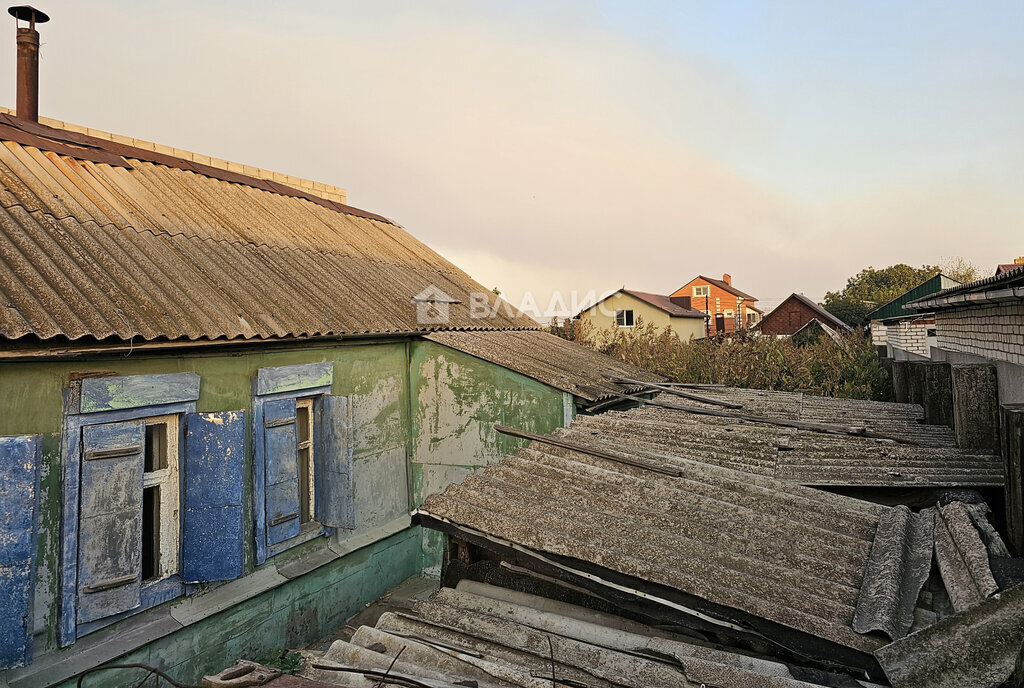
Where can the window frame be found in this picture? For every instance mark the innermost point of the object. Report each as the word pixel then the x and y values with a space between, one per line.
pixel 623 312
pixel 168 478
pixel 151 593
pixel 298 382
pixel 700 290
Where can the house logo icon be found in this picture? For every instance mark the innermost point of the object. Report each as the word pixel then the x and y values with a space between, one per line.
pixel 432 306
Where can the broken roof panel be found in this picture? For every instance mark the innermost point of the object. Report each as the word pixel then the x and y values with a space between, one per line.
pixel 160 247
pixel 791 555
pixel 552 360
pixel 924 456
pixel 486 636
pixel 977 647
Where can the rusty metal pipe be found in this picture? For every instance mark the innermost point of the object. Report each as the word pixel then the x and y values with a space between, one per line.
pixel 28 74
pixel 28 60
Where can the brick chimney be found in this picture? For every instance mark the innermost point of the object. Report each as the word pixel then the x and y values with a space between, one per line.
pixel 727 278
pixel 28 60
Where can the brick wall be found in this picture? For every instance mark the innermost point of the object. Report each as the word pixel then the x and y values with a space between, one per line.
pixel 879 333
pixel 910 335
pixel 994 331
pixel 787 318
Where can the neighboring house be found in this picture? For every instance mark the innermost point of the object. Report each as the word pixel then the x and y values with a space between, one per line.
pixel 907 333
pixel 1007 267
pixel 983 322
pixel 627 307
pixel 790 316
pixel 221 401
pixel 728 308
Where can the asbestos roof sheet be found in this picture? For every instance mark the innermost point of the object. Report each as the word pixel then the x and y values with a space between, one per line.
pixel 801 456
pixel 792 555
pixel 153 247
pixel 490 637
pixel 977 647
pixel 552 360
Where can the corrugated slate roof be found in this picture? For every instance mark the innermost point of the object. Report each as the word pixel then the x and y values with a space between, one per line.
pixel 977 647
pixel 895 308
pixel 792 555
pixel 801 456
pixel 158 247
pixel 552 360
pixel 481 635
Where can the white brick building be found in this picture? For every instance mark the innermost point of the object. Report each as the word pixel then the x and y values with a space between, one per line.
pixel 983 322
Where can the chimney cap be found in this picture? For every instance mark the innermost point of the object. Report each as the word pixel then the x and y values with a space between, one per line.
pixel 29 14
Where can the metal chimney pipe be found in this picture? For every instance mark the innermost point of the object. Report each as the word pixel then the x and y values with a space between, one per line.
pixel 28 61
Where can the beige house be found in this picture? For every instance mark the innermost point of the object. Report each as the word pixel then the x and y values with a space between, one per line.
pixel 628 308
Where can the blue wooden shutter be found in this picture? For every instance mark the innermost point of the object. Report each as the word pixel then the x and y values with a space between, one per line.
pixel 110 520
pixel 280 451
pixel 214 470
pixel 19 491
pixel 332 463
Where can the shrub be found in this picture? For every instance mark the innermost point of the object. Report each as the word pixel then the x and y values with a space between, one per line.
pixel 818 365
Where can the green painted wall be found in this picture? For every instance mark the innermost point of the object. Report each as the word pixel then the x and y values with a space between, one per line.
pixel 423 419
pixel 457 399
pixel 309 607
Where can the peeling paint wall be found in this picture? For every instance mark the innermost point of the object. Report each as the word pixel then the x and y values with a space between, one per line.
pixel 423 417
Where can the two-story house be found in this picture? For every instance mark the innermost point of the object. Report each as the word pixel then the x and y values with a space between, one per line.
pixel 728 308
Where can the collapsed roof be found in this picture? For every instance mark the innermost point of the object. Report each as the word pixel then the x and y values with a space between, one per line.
pixel 613 506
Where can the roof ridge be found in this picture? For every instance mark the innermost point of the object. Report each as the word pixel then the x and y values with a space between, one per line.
pixel 109 152
pixel 328 191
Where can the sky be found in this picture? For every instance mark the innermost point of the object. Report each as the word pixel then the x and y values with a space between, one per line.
pixel 573 148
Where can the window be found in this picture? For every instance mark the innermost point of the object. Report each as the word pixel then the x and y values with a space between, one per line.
pixel 304 438
pixel 730 314
pixel 302 442
pixel 751 318
pixel 160 506
pixel 703 290
pixel 134 529
pixel 624 318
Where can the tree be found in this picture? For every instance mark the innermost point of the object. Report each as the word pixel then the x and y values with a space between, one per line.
pixel 960 269
pixel 871 288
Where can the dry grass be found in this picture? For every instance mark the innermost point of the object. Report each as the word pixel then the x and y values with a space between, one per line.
pixel 819 366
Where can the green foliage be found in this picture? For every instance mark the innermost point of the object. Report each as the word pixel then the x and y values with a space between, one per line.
pixel 871 288
pixel 814 366
pixel 287 662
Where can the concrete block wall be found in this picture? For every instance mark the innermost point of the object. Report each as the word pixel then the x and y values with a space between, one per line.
pixel 995 331
pixel 879 333
pixel 909 335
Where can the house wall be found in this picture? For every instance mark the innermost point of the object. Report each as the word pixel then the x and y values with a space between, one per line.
pixel 910 336
pixel 411 399
pixel 787 318
pixel 879 333
pixel 456 400
pixel 986 334
pixel 719 300
pixel 602 316
pixel 995 331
